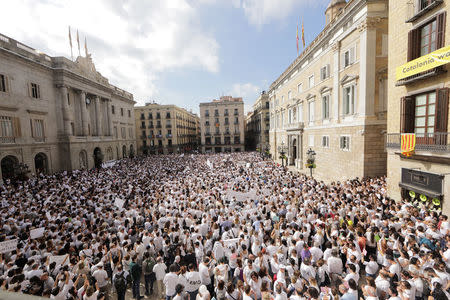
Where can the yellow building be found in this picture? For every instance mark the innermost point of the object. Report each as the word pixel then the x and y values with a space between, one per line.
pixel 165 129
pixel 332 98
pixel 418 102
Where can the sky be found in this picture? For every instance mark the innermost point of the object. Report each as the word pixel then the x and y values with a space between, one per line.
pixel 180 52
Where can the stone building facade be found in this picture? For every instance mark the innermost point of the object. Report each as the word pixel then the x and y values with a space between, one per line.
pixel 419 103
pixel 57 114
pixel 165 129
pixel 258 124
pixel 222 125
pixel 333 97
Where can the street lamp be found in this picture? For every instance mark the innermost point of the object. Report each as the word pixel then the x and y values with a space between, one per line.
pixel 282 149
pixel 310 160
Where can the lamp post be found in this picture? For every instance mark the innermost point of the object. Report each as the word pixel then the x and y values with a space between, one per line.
pixel 282 149
pixel 310 160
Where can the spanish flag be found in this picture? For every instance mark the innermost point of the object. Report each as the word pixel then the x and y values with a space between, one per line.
pixel 303 35
pixel 408 143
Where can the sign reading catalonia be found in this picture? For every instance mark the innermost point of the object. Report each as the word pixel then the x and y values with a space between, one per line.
pixel 424 63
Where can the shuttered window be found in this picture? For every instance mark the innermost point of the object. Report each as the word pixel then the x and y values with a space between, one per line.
pixel 425 114
pixel 427 38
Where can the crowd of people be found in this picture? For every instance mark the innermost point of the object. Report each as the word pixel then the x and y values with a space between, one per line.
pixel 223 226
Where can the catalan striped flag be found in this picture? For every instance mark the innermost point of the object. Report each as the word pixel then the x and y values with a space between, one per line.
pixel 303 35
pixel 297 39
pixel 408 143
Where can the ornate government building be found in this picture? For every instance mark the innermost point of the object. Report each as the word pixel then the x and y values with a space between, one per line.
pixel 56 114
pixel 332 99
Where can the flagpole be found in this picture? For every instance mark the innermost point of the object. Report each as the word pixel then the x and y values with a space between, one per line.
pixel 70 42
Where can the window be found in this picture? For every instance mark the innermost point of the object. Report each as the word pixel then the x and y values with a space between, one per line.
pixel 35 91
pixel 121 111
pixel 425 3
pixel 143 124
pixel 216 121
pixel 290 116
pixel 217 140
pixel 130 132
pixel 113 110
pixel 115 132
pixel 325 72
pixel 236 120
pixel 237 140
pixel 168 115
pixel 427 38
pixel 160 143
pixel 158 115
pixel 267 104
pixel 311 81
pixel 349 100
pixel 282 99
pixel 207 123
pixel 225 112
pixel 150 116
pixel 348 57
pixel 143 135
pixel 300 87
pixel 207 113
pixel 169 142
pixel 289 95
pixel 144 143
pixel 3 83
pixel 236 112
pixel 226 121
pixel 6 128
pixel 300 112
pixel 311 111
pixel 217 130
pixel 325 141
pixel 426 114
pixel 310 140
pixel 208 141
pixel 344 143
pixel 216 112
pixel 123 132
pixel 129 113
pixel 142 116
pixel 326 107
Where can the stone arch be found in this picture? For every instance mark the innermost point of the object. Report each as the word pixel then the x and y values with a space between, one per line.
pixel 8 166
pixel 41 163
pixel 83 159
pixel 124 151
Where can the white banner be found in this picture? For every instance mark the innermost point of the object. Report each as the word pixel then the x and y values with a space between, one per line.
pixel 8 246
pixel 210 165
pixel 230 242
pixel 37 233
pixel 108 164
pixel 58 259
pixel 119 203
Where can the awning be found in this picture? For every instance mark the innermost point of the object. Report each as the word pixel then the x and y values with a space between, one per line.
pixel 420 190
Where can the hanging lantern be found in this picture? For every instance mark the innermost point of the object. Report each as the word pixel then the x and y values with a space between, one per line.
pixel 423 198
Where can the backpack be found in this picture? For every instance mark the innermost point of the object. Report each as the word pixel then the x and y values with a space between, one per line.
pixel 120 283
pixel 148 267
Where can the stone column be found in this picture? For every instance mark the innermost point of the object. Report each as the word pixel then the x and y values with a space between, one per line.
pixel 67 116
pixel 109 116
pixel 84 114
pixel 367 37
pixel 98 117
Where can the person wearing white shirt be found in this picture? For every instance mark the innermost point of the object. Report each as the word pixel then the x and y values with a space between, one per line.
pixel 160 271
pixel 170 282
pixel 193 282
pixel 102 278
pixel 204 271
pixel 334 264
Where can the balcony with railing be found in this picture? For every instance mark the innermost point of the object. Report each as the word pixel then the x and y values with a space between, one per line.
pixel 168 125
pixel 168 136
pixel 159 136
pixel 150 126
pixel 438 142
pixel 158 126
pixel 424 6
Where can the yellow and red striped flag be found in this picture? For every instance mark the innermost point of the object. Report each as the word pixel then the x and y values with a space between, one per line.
pixel 303 35
pixel 408 143
pixel 297 39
